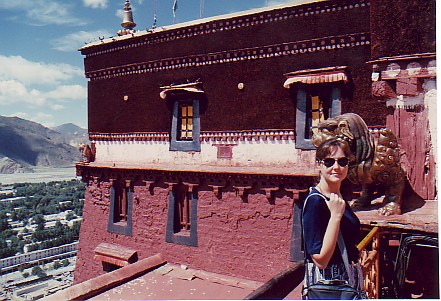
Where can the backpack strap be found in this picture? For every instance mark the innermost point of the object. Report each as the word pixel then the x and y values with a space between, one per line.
pixel 303 231
pixel 344 255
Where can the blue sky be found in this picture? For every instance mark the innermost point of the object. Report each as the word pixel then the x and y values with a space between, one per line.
pixel 41 70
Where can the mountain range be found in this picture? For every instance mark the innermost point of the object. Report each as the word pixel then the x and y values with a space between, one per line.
pixel 25 144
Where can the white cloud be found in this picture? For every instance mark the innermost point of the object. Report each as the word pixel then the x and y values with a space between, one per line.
pixel 95 3
pixel 74 41
pixel 28 72
pixel 31 85
pixel 13 92
pixel 43 118
pixel 39 117
pixel 19 114
pixel 57 107
pixel 40 87
pixel 52 13
pixel 120 13
pixel 43 12
pixel 67 92
pixel 6 4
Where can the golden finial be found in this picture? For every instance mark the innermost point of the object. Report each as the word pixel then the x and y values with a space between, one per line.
pixel 127 22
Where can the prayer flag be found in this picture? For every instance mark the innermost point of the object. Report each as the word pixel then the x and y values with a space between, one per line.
pixel 175 7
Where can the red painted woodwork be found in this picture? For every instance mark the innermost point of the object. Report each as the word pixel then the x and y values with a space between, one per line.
pixel 412 130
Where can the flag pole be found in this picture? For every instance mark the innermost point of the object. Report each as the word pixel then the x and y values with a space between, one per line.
pixel 201 9
pixel 154 14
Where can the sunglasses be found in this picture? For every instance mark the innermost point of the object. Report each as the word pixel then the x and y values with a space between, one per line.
pixel 329 162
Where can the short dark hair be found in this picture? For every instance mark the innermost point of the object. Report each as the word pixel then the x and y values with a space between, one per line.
pixel 324 149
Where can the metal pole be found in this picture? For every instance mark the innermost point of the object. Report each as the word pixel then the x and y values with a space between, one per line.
pixel 154 14
pixel 201 9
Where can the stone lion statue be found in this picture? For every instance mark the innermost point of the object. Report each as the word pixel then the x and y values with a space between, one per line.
pixel 87 152
pixel 375 161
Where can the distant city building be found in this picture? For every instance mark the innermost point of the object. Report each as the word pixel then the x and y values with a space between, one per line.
pixel 7 192
pixel 39 256
pixel 13 199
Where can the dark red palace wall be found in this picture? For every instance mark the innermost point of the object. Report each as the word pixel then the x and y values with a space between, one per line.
pixel 402 27
pixel 246 237
pixel 263 103
pixel 341 26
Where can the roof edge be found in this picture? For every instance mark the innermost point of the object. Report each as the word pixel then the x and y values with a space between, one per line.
pixel 159 29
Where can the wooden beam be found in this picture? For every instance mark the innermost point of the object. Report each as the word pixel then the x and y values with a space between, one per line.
pixel 368 238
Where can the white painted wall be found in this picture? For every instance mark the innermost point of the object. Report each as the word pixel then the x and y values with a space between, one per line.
pixel 277 153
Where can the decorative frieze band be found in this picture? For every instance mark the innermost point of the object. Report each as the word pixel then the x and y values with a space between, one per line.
pixel 227 136
pixel 242 183
pixel 163 34
pixel 224 136
pixel 156 136
pixel 231 56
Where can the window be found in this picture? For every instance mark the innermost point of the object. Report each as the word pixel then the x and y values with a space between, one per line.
pixel 318 96
pixel 182 216
pixel 185 126
pixel 120 216
pixel 121 204
pixel 315 103
pixel 317 110
pixel 185 121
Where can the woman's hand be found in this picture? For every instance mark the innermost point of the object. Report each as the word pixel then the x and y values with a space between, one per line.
pixel 336 206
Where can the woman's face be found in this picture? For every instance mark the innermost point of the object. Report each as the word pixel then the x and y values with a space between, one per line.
pixel 334 173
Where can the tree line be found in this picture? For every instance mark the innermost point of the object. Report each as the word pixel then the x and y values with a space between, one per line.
pixel 40 199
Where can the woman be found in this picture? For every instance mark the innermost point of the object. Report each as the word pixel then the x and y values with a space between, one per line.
pixel 324 215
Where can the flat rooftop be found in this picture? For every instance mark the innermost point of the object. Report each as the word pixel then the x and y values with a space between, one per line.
pixel 173 282
pixel 155 279
pixel 417 216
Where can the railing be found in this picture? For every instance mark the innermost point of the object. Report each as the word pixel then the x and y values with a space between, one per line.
pixel 371 262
